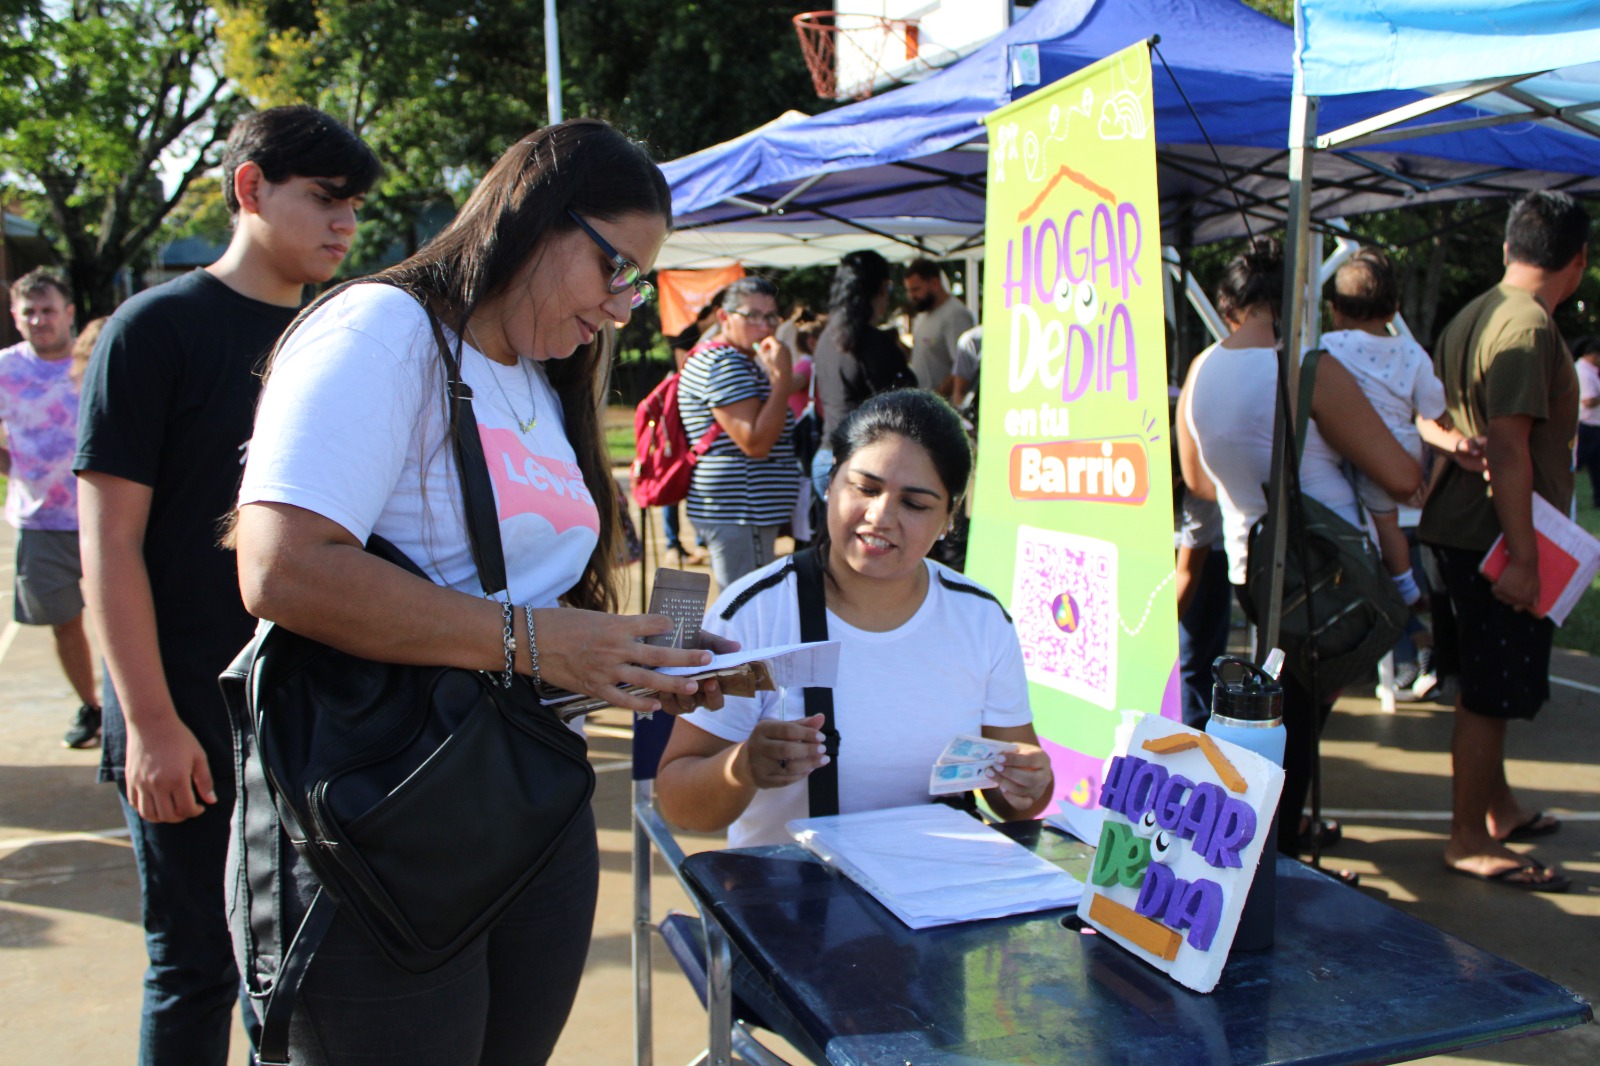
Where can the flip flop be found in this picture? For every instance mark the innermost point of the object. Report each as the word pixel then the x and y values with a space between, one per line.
pixel 1328 834
pixel 1532 827
pixel 1509 878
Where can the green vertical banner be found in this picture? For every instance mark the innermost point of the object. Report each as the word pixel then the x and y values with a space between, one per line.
pixel 1072 520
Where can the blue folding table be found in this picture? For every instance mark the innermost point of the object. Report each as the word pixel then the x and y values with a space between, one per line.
pixel 1349 980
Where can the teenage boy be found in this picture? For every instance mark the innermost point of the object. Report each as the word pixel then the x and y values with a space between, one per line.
pixel 38 410
pixel 168 402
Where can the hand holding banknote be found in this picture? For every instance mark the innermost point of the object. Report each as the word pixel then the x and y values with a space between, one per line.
pixel 1020 771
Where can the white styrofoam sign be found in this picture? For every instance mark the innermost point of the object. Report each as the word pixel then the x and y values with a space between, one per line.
pixel 1186 820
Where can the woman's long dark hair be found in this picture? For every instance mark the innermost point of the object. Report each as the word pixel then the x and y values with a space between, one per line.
pixel 582 165
pixel 926 419
pixel 856 285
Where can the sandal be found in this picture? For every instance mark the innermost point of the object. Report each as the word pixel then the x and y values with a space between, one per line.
pixel 1328 834
pixel 1518 877
pixel 1539 824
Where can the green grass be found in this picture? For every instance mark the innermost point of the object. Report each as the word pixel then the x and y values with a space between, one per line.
pixel 619 442
pixel 1582 629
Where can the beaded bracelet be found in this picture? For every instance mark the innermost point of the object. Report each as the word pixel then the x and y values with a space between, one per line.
pixel 509 636
pixel 533 647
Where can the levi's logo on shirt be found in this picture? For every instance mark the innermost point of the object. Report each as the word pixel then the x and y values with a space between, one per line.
pixel 525 483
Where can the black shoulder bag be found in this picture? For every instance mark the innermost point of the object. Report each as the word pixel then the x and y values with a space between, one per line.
pixel 1341 610
pixel 423 798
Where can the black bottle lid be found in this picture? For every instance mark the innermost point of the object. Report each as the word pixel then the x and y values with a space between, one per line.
pixel 1244 692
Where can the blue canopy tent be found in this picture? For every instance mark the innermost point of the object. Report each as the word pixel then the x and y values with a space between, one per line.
pixel 905 171
pixel 1510 71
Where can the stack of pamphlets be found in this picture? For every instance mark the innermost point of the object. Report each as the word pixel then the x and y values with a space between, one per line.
pixel 1568 560
pixel 933 865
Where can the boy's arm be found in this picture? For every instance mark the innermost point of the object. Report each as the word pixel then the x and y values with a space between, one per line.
pixel 167 776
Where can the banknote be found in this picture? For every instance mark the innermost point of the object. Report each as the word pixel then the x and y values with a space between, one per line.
pixel 968 748
pixel 959 777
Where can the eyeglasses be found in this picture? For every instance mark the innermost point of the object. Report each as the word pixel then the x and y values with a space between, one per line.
pixel 768 319
pixel 627 275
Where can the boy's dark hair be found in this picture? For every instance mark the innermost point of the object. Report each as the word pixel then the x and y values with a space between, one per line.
pixel 38 280
pixel 740 291
pixel 926 269
pixel 1546 229
pixel 1251 278
pixel 298 141
pixel 1364 287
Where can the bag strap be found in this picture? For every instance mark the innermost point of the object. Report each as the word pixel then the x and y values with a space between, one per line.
pixel 279 1006
pixel 823 784
pixel 478 505
pixel 709 437
pixel 1302 413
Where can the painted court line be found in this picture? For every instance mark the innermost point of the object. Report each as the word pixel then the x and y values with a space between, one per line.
pixel 1554 680
pixel 6 637
pixel 1353 814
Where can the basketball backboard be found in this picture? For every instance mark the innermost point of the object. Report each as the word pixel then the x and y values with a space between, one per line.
pixel 883 43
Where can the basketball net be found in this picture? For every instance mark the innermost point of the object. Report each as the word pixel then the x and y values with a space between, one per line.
pixel 821 31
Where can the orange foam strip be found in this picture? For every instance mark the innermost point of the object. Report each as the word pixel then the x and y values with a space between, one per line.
pixel 1177 742
pixel 1153 937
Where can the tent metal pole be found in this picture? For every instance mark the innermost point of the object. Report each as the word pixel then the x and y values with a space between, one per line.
pixel 1302 129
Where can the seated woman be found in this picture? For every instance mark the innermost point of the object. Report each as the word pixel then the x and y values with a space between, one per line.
pixel 926 654
pixel 1225 451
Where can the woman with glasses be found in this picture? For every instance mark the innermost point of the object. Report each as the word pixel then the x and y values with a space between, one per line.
pixel 353 440
pixel 744 487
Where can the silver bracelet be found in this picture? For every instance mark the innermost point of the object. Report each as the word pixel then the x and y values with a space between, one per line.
pixel 509 636
pixel 533 647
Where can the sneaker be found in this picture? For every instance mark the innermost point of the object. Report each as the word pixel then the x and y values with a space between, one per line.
pixel 85 729
pixel 1420 688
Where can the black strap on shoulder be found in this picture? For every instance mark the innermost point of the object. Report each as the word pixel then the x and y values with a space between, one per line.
pixel 974 590
pixel 755 588
pixel 824 780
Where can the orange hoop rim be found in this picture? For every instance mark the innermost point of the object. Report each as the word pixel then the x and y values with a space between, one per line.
pixel 818 45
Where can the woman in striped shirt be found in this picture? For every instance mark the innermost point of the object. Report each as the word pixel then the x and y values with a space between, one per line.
pixel 744 486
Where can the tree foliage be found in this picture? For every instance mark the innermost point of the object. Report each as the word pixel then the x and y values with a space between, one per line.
pixel 93 97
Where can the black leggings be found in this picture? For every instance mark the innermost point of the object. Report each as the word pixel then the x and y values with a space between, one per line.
pixel 504 1000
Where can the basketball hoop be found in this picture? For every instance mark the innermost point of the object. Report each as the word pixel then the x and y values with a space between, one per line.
pixel 821 31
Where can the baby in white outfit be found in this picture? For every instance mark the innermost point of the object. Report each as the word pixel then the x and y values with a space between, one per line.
pixel 1398 379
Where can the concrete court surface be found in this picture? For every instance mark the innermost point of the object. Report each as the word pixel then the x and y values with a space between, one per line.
pixel 71 951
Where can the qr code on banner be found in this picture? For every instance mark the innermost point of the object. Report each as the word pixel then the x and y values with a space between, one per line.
pixel 1064 598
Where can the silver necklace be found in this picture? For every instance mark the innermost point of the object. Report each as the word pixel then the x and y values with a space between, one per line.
pixel 525 425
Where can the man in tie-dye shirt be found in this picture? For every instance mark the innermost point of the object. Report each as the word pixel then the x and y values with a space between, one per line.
pixel 39 419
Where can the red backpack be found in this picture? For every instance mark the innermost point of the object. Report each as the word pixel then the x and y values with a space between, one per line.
pixel 663 461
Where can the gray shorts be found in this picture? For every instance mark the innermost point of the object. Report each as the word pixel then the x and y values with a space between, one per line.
pixel 48 573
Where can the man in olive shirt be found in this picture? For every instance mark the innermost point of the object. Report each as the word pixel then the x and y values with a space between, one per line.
pixel 1508 378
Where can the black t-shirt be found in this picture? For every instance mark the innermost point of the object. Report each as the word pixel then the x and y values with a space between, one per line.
pixel 169 398
pixel 845 379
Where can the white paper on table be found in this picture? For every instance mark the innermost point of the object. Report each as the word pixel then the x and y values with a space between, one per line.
pixel 1085 824
pixel 932 865
pixel 811 665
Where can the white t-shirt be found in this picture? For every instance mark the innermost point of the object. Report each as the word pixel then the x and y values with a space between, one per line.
pixel 1588 388
pixel 1396 376
pixel 352 426
pixel 1232 394
pixel 954 667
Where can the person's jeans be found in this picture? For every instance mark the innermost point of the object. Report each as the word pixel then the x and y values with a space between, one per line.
pixel 670 520
pixel 1589 457
pixel 192 981
pixel 737 549
pixel 821 464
